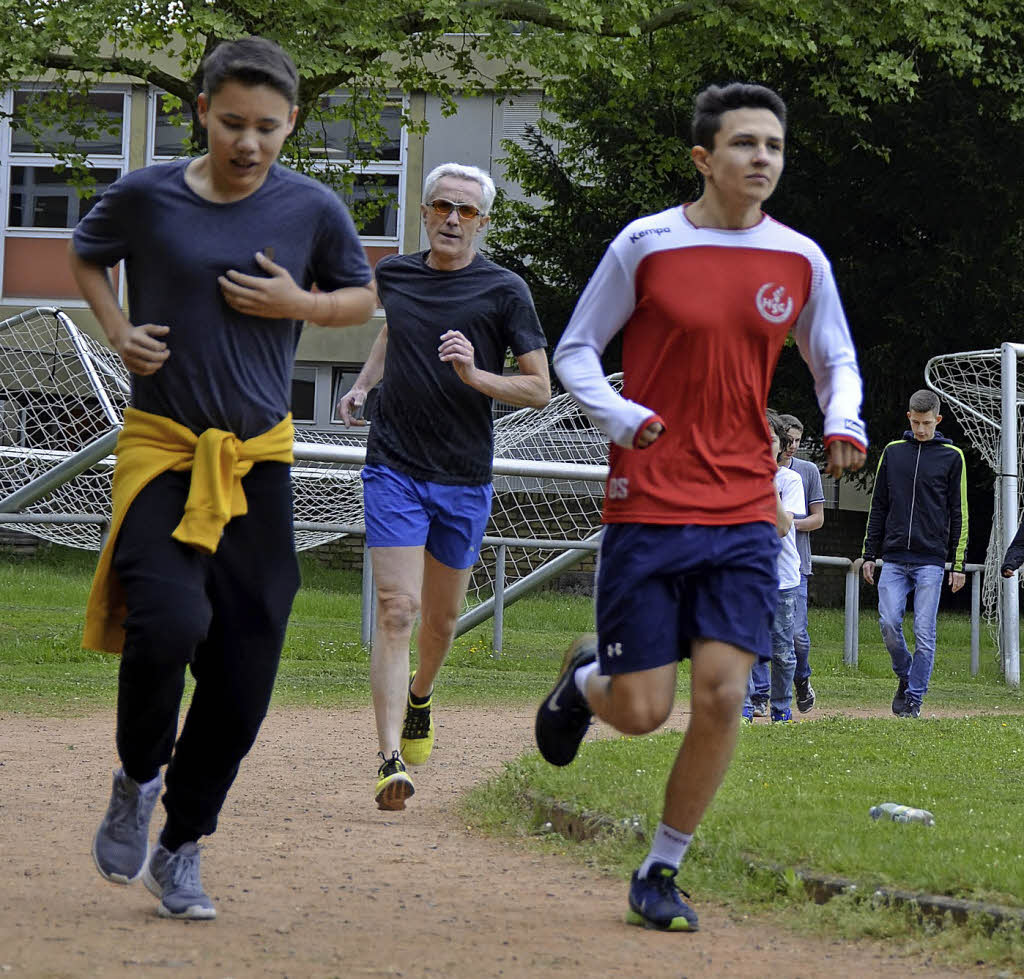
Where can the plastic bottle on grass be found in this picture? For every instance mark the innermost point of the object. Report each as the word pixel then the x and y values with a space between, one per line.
pixel 902 814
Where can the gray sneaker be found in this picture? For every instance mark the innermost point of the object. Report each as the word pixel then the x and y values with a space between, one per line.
pixel 121 845
pixel 174 878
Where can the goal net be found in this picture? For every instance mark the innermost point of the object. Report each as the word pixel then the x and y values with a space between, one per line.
pixel 972 384
pixel 60 391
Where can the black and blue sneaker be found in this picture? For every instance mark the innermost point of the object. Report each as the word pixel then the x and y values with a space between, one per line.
pixel 899 702
pixel 655 902
pixel 911 708
pixel 563 718
pixel 805 696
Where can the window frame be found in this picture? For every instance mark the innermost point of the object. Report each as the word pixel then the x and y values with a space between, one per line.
pixel 397 167
pixel 153 95
pixel 9 159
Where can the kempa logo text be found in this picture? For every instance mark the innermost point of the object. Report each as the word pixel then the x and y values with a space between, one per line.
pixel 637 235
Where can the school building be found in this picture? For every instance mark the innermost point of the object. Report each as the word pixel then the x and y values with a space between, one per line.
pixel 41 206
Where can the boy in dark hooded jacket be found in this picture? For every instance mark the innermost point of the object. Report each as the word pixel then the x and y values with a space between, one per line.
pixel 918 521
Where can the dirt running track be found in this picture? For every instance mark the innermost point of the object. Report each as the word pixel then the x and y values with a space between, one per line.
pixel 311 880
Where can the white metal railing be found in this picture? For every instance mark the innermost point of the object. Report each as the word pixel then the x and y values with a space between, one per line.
pixel 572 551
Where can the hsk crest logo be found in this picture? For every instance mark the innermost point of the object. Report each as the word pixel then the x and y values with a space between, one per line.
pixel 774 303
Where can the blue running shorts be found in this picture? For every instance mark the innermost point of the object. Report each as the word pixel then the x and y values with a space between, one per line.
pixel 404 512
pixel 660 587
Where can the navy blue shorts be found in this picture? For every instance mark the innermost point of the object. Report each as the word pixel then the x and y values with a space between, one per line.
pixel 661 587
pixel 449 521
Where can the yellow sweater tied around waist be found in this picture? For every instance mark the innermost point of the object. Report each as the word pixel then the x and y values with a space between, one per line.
pixel 150 445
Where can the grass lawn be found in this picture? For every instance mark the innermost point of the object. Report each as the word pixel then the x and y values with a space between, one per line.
pixel 796 795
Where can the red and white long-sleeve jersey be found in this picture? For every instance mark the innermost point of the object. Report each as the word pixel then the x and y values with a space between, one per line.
pixel 705 313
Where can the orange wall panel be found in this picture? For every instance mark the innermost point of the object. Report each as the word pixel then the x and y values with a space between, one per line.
pixel 374 253
pixel 37 268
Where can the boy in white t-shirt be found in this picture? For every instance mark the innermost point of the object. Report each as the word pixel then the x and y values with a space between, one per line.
pixel 790 505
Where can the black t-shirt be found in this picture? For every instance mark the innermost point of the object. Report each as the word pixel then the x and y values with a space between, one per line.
pixel 226 370
pixel 426 422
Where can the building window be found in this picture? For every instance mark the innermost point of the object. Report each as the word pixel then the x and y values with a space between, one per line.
pixel 830 490
pixel 304 394
pixel 316 389
pixel 43 197
pixel 101 113
pixel 43 202
pixel 335 139
pixel 379 169
pixel 382 187
pixel 168 130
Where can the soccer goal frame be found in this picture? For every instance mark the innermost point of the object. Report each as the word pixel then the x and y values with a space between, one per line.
pixel 986 390
pixel 62 399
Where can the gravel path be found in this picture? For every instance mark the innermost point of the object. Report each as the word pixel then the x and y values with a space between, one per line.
pixel 311 880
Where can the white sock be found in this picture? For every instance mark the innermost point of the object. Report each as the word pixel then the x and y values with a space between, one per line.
pixel 583 674
pixel 668 846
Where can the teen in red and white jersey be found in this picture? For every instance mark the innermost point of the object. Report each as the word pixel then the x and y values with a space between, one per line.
pixel 705 312
pixel 705 294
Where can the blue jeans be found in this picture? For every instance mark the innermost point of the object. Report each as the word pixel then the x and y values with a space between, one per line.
pixel 760 674
pixel 801 637
pixel 895 583
pixel 783 661
pixel 760 679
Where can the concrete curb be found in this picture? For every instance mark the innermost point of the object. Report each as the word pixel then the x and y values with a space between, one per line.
pixel 938 909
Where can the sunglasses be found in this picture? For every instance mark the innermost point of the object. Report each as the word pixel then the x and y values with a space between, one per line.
pixel 466 211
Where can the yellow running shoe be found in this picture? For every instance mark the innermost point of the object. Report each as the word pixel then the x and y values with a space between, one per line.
pixel 417 731
pixel 393 784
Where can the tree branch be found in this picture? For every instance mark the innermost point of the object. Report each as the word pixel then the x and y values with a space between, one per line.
pixel 118 65
pixel 539 14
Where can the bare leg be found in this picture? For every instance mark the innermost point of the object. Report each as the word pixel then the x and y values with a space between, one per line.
pixel 443 592
pixel 718 686
pixel 398 573
pixel 637 703
pixel 634 703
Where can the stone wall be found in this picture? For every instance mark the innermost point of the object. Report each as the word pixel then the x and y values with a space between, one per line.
pixel 345 554
pixel 17 542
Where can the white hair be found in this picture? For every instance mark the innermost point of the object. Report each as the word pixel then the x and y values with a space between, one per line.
pixel 463 172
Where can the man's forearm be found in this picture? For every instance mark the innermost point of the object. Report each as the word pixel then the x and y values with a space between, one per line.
pixel 373 369
pixel 522 390
pixel 783 518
